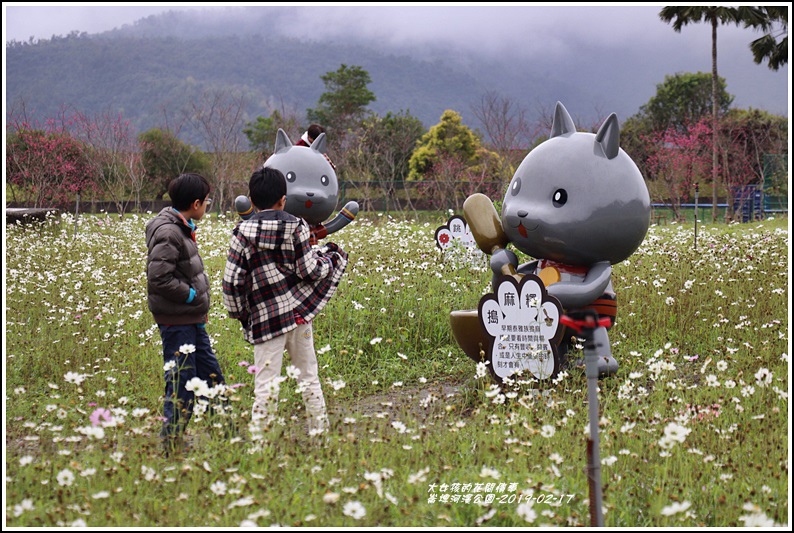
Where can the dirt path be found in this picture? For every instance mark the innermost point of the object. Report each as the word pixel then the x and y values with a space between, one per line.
pixel 420 401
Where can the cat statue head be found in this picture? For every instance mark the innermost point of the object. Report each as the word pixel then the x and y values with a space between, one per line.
pixel 577 198
pixel 312 185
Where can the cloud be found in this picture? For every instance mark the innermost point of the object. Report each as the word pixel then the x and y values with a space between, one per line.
pixel 526 30
pixel 42 22
pixel 616 52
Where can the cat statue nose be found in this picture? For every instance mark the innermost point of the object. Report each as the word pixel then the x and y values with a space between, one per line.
pixel 522 213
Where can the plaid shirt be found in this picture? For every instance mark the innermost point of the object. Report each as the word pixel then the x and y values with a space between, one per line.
pixel 272 274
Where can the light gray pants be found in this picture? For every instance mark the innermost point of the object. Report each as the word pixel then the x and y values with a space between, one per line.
pixel 268 357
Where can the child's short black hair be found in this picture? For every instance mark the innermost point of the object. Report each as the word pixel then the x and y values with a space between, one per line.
pixel 186 189
pixel 266 187
pixel 314 131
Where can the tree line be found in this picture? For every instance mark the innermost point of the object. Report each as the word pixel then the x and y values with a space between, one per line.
pixel 683 134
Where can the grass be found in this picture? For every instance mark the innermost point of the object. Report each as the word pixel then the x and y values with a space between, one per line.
pixel 694 428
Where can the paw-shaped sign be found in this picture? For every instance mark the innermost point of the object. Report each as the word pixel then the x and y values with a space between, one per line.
pixel 456 229
pixel 523 325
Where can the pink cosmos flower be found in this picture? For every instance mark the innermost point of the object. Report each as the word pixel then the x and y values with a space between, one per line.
pixel 99 416
pixel 243 363
pixel 252 369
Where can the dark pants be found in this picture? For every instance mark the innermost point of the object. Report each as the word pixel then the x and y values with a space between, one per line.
pixel 201 363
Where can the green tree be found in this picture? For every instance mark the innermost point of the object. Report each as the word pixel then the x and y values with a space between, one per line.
pixel 165 157
pixel 680 16
pixel 343 105
pixel 682 99
pixel 262 132
pixel 772 47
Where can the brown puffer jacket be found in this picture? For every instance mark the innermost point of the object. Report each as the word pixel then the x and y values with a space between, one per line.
pixel 173 267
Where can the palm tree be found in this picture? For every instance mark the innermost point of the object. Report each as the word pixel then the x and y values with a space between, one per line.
pixel 774 21
pixel 680 16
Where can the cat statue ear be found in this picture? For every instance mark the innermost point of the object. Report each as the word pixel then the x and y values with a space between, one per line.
pixel 319 143
pixel 608 136
pixel 562 123
pixel 282 141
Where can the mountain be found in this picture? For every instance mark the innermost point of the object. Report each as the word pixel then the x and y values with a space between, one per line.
pixel 163 61
pixel 140 75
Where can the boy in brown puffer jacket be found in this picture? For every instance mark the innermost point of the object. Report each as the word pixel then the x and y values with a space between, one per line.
pixel 179 299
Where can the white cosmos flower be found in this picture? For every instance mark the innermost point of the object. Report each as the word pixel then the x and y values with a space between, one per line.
pixel 354 509
pixel 675 508
pixel 489 472
pixel 187 348
pixel 25 505
pixel 525 511
pixel 757 520
pixel 97 432
pixel 245 501
pixel 293 372
pixel 74 377
pixel 673 433
pixel 198 386
pixel 492 391
pixel 149 473
pixel 419 477
pixel 218 488
pixel 556 457
pixel 65 477
pixel 331 497
pixel 763 377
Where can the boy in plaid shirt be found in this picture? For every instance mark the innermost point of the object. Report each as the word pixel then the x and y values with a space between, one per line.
pixel 274 283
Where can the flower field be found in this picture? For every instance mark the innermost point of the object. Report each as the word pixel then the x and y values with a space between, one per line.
pixel 694 428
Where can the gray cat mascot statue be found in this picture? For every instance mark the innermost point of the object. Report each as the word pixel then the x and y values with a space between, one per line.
pixel 577 204
pixel 312 186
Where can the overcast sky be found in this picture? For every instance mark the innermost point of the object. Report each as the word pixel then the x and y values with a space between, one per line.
pixel 22 20
pixel 470 25
pixel 506 28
